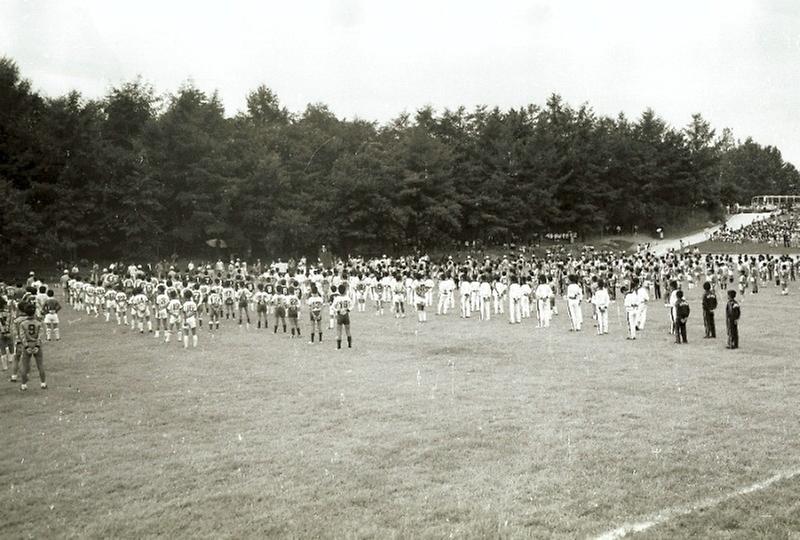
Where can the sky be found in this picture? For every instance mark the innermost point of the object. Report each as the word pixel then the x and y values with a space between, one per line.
pixel 737 62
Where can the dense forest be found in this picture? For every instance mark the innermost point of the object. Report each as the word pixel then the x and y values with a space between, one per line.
pixel 137 174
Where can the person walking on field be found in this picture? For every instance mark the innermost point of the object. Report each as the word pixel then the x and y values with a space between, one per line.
pixel 732 314
pixel 709 305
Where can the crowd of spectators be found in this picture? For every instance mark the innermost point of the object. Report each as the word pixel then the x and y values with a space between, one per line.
pixel 777 230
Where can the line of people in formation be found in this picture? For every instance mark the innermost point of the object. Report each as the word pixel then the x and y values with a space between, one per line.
pixel 180 303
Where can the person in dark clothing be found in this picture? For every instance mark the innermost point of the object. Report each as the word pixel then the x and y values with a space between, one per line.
pixel 709 305
pixel 732 314
pixel 681 316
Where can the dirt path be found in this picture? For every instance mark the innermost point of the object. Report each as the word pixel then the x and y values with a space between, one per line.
pixel 736 221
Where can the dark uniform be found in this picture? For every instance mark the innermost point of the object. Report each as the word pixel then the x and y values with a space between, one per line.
pixel 709 305
pixel 732 314
pixel 682 311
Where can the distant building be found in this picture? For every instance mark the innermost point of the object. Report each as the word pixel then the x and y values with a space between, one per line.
pixel 773 202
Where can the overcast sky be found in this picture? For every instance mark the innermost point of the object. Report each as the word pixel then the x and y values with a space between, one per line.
pixel 735 61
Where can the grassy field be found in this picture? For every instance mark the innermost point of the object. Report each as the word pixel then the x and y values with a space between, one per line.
pixel 455 428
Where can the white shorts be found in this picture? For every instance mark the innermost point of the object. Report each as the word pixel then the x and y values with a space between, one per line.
pixel 111 304
pixel 51 318
pixel 161 314
pixel 190 323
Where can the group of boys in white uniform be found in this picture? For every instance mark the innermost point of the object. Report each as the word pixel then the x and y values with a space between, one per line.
pixel 526 286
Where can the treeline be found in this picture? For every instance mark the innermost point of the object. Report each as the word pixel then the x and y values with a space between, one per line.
pixel 135 175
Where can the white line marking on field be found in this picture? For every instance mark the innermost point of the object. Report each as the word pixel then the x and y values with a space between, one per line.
pixel 76 320
pixel 669 513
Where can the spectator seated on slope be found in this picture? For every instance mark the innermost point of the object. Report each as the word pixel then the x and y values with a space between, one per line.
pixel 778 230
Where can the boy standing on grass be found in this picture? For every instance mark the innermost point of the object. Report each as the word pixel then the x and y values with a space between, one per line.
pixel 280 308
pixel 5 333
pixel 162 301
pixel 174 312
pixel 644 297
pixel 709 305
pixel 732 314
pixel 574 297
pixel 543 293
pixel 30 329
pixel 514 301
pixel 315 302
pixel 50 308
pixel 293 311
pixel 601 301
pixel 671 302
pixel 682 311
pixel 485 295
pixel 631 310
pixel 341 305
pixel 19 332
pixel 465 290
pixel 420 295
pixel 189 312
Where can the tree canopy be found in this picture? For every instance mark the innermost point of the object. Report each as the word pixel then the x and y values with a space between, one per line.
pixel 133 174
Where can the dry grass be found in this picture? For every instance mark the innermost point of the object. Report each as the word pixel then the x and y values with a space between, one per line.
pixel 453 428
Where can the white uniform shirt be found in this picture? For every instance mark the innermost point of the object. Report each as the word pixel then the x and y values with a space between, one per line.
pixel 673 299
pixel 446 286
pixel 465 288
pixel 631 302
pixel 601 300
pixel 485 289
pixel 644 295
pixel 500 288
pixel 574 293
pixel 543 292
